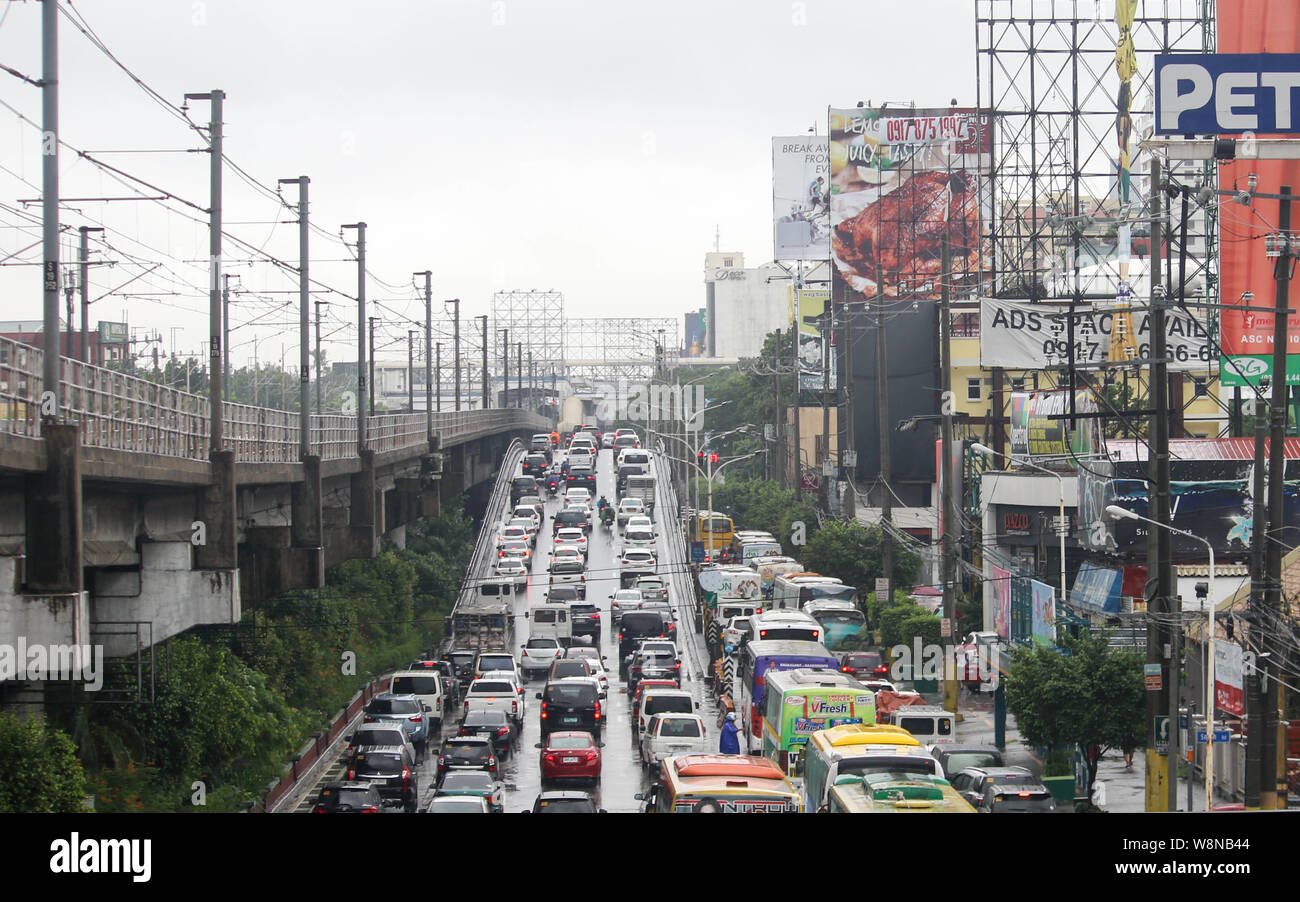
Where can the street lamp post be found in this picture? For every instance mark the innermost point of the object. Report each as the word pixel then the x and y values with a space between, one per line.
pixel 1060 481
pixel 1117 512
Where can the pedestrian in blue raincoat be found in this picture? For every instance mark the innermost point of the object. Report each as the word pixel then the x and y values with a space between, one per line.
pixel 729 744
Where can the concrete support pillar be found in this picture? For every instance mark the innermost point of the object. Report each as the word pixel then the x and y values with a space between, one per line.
pixel 54 516
pixel 218 513
pixel 362 512
pixel 307 531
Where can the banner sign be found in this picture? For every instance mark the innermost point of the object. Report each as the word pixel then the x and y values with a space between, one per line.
pixel 1002 601
pixel 1044 617
pixel 114 333
pixel 801 213
pixel 1229 677
pixel 811 306
pixel 1021 336
pixel 1037 429
pixel 899 182
pixel 1098 588
pixel 1227 93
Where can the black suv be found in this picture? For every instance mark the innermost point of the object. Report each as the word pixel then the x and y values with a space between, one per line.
pixel 571 705
pixel 467 753
pixel 582 478
pixel 578 519
pixel 490 724
pixel 388 769
pixel 535 465
pixel 521 486
pixel 348 797
pixel 637 625
pixel 584 617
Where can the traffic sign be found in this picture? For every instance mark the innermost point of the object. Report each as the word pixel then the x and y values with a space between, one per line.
pixel 1222 736
pixel 1162 735
pixel 697 552
pixel 1154 678
pixel 882 588
pixel 1202 736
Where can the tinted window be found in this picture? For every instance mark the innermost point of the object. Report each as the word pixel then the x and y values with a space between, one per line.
pixel 963 760
pixel 485 718
pixel 541 615
pixel 566 565
pixel 348 798
pixel 860 767
pixel 381 736
pixel 563 593
pixel 378 764
pixel 470 779
pixel 542 643
pixel 569 742
pixel 661 704
pixel 477 751
pixel 416 685
pixel 394 706
pixel 486 687
pixel 680 726
pixel 564 806
pixel 496 662
pixel 570 668
pixel 642 623
pixel 571 694
pixel 1032 802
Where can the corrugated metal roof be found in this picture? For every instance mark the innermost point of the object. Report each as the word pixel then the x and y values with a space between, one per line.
pixel 1199 448
pixel 1219 570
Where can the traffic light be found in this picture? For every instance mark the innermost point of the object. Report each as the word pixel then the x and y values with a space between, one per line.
pixel 713 457
pixel 699 458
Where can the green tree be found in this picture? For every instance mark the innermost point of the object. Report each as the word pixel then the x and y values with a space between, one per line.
pixel 41 772
pixel 1088 694
pixel 852 552
pixel 762 504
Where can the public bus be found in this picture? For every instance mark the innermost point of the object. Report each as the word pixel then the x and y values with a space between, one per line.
pixel 857 749
pixel 757 659
pixel 794 590
pixel 749 544
pixel 893 792
pixel 844 627
pixel 769 567
pixel 728 784
pixel 786 625
pixel 801 702
pixel 711 528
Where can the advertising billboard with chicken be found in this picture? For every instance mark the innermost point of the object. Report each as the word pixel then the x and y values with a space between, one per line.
pixel 900 182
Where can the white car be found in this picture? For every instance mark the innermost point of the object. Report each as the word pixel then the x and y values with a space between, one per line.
pixel 628 508
pixel 513 679
pixel 568 553
pixel 652 588
pixel 572 535
pixel 576 495
pixel 527 524
pixel 638 558
pixel 673 734
pixel 514 532
pixel 638 537
pixel 735 633
pixel 538 654
pixel 640 521
pixel 514 568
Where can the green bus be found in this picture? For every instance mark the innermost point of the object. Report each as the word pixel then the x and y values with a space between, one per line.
pixel 802 702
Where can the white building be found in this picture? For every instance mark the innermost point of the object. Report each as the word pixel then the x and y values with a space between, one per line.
pixel 744 305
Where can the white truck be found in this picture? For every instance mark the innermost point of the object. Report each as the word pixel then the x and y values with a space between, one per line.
pixel 495 695
pixel 673 734
pixel 642 487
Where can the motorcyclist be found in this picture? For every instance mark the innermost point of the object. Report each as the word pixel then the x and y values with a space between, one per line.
pixel 602 504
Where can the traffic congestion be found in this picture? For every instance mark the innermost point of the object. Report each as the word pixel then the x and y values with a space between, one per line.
pixel 590 668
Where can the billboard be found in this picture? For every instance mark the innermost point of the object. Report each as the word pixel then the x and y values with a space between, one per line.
pixel 1022 336
pixel 1255 27
pixel 1044 614
pixel 1002 601
pixel 900 181
pixel 1038 427
pixel 1227 93
pixel 1229 677
pixel 1098 588
pixel 112 333
pixel 801 216
pixel 809 305
pixel 693 337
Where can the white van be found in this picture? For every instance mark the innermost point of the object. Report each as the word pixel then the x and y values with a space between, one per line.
pixel 930 724
pixel 551 620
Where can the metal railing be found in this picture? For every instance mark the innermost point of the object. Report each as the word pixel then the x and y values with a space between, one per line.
pixel 122 412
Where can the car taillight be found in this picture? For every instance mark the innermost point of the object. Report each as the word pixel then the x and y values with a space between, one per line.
pixel 418 718
pixel 492 764
pixel 620 637
pixel 406 778
pixel 371 810
pixel 758 610
pixel 847 669
pixel 591 755
pixel 598 710
pixel 442 761
pixel 816 633
pixel 503 731
pixel 755 722
pixel 550 757
pixel 369 719
pixel 352 773
pixel 543 710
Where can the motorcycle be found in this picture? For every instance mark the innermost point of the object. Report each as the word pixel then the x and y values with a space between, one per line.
pixel 607 516
pixel 552 485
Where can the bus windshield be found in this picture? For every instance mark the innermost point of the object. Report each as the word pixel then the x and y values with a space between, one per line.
pixel 843 630
pixel 828 592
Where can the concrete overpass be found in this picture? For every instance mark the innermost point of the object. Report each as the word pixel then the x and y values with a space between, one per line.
pixel 120 526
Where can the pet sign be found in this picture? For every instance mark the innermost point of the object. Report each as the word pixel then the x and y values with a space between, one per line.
pixel 1227 93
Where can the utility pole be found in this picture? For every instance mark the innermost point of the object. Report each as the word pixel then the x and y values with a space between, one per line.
pixel 519 372
pixel 304 321
pixel 945 463
pixel 361 335
pixel 69 291
pixel 1272 777
pixel 484 318
pixel 1258 584
pixel 372 363
pixel 410 369
pixel 1161 788
pixel 532 382
pixel 882 409
pixel 438 381
pixel 319 407
pixel 216 340
pixel 84 260
pixel 428 353
pixel 50 205
pixel 225 326
pixel 847 446
pixel 456 339
pixel 779 419
pixel 505 367
pixel 798 328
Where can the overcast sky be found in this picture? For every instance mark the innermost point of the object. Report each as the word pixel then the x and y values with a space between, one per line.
pixel 589 147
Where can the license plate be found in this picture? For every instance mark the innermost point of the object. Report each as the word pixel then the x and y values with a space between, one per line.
pixel 567 760
pixel 570 720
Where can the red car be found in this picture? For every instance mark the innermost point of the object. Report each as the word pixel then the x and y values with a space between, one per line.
pixel 570 755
